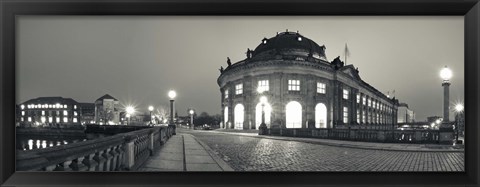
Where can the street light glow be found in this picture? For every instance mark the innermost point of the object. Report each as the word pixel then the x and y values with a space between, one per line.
pixel 172 94
pixel 438 121
pixel 130 110
pixel 459 107
pixel 191 112
pixel 446 73
pixel 263 99
pixel 150 108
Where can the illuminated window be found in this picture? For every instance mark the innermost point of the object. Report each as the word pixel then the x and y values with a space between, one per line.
pixel 29 119
pixel 58 112
pixel 50 119
pixel 345 94
pixel 369 102
pixel 22 107
pixel 23 113
pixel 65 113
pixel 57 105
pixel 358 98
pixel 345 114
pixel 364 100
pixel 57 119
pixel 363 117
pixel 258 114
pixel 64 106
pixel 294 85
pixel 74 120
pixel 293 115
pixel 238 89
pixel 39 106
pixel 321 87
pixel 320 116
pixel 21 119
pixel 75 113
pixel 226 94
pixel 74 106
pixel 263 85
pixel 374 105
pixel 43 119
pixel 43 112
pixel 65 119
pixel 358 116
pixel 238 116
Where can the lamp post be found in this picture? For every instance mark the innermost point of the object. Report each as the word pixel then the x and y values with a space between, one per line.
pixel 130 110
pixel 191 118
pixel 446 130
pixel 150 108
pixel 458 109
pixel 446 74
pixel 262 129
pixel 172 94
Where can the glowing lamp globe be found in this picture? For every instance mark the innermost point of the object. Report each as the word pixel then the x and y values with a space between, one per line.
pixel 191 112
pixel 150 108
pixel 172 94
pixel 459 107
pixel 130 110
pixel 263 99
pixel 446 73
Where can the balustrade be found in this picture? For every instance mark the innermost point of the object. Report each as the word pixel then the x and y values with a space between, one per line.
pixel 124 151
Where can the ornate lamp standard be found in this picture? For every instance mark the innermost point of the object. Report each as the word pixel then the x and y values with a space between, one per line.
pixel 263 99
pixel 150 108
pixel 172 94
pixel 458 109
pixel 191 111
pixel 446 131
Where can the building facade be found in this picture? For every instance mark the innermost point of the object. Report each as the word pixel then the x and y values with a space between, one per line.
pixel 87 113
pixel 107 110
pixel 302 88
pixel 48 111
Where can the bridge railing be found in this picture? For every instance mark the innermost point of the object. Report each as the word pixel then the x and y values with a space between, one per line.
pixel 120 152
pixel 367 135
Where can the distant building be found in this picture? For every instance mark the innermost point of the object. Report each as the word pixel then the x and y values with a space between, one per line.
pixel 302 88
pixel 49 111
pixel 107 110
pixel 405 115
pixel 460 120
pixel 87 111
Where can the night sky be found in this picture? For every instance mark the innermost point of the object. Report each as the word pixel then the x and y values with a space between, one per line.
pixel 138 59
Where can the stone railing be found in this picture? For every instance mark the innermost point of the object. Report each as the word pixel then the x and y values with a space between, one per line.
pixel 121 152
pixel 367 135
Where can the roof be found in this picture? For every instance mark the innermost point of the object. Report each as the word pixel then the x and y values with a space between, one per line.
pixel 106 96
pixel 51 100
pixel 289 40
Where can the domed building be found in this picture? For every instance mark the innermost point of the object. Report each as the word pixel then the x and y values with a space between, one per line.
pixel 302 89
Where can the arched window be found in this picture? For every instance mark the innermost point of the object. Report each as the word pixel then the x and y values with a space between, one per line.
pixel 258 114
pixel 225 116
pixel 293 115
pixel 238 116
pixel 321 116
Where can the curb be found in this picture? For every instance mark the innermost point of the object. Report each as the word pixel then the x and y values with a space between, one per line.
pixel 222 164
pixel 298 139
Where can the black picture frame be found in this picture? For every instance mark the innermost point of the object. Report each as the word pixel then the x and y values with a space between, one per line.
pixel 9 9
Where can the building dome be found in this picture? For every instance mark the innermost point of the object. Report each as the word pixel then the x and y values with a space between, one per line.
pixel 288 42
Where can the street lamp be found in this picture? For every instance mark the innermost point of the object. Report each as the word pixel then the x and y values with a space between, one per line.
pixel 191 118
pixel 172 94
pixel 150 108
pixel 130 110
pixel 446 74
pixel 263 99
pixel 458 109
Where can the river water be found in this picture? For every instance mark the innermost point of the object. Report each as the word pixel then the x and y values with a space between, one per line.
pixel 29 142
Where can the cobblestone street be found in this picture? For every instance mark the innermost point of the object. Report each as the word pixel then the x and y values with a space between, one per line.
pixel 245 153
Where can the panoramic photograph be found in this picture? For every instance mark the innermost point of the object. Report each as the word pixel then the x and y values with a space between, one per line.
pixel 240 93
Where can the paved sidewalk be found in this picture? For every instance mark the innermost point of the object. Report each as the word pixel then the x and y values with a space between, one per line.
pixel 182 152
pixel 354 144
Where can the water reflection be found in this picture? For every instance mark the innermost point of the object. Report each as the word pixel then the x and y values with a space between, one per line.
pixel 32 142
